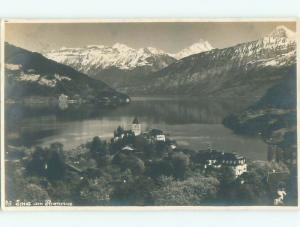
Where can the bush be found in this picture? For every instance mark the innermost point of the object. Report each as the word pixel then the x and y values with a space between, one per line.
pixel 48 162
pixel 180 162
pixel 191 192
pixel 129 161
pixel 134 191
pixel 98 147
pixel 161 168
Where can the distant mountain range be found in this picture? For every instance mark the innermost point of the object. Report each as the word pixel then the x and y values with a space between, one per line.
pixel 94 59
pixel 247 69
pixel 244 70
pixel 119 63
pixel 30 74
pixel 196 48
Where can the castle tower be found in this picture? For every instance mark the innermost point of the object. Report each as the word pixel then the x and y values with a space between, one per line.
pixel 136 127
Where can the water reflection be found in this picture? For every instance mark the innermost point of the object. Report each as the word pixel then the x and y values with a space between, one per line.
pixel 171 111
pixel 193 123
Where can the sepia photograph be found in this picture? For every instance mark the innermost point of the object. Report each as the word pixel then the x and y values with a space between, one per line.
pixel 141 113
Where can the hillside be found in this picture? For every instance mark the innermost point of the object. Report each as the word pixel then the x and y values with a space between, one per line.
pixel 247 69
pixel 30 74
pixel 273 117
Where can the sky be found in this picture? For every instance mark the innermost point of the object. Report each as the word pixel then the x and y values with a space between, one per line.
pixel 168 36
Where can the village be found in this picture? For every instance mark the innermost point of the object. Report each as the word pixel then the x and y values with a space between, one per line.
pixel 64 101
pixel 210 158
pixel 133 155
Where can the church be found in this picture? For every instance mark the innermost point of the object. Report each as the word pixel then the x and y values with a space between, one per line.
pixel 136 127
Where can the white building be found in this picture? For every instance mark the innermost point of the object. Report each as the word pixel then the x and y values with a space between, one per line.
pixel 157 135
pixel 218 159
pixel 237 162
pixel 240 168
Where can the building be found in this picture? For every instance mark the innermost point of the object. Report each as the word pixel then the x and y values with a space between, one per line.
pixel 236 162
pixel 63 98
pixel 128 149
pixel 120 134
pixel 154 136
pixel 136 127
pixel 217 159
pixel 211 158
pixel 173 146
pixel 63 101
pixel 157 135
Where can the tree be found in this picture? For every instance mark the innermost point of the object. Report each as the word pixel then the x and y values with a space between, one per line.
pixel 134 191
pixel 97 147
pixel 252 187
pixel 159 168
pixel 48 162
pixel 253 191
pixel 180 162
pixel 55 162
pixel 119 131
pixel 292 187
pixel 33 193
pixel 36 164
pixel 95 192
pixel 125 161
pixel 25 188
pixel 128 138
pixel 227 180
pixel 193 191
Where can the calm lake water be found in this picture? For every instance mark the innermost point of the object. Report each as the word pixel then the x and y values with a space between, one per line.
pixel 192 123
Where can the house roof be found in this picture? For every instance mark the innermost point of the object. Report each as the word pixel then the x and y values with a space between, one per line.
pixel 155 132
pixel 135 121
pixel 221 156
pixel 127 148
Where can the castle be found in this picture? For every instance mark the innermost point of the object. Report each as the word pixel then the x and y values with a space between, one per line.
pixel 136 127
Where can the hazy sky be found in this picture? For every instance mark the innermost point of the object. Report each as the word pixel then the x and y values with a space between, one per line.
pixel 170 37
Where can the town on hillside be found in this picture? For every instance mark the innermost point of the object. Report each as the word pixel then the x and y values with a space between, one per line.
pixel 139 167
pixel 210 158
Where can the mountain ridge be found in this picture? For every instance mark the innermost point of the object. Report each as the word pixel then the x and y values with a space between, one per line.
pixel 273 117
pixel 120 63
pixel 31 74
pixel 195 48
pixel 244 69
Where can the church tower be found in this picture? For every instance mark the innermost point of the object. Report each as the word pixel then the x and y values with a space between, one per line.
pixel 136 127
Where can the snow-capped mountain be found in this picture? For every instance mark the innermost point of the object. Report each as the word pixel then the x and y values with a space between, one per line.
pixel 283 32
pixel 195 48
pixel 200 70
pixel 94 59
pixel 247 69
pixel 117 65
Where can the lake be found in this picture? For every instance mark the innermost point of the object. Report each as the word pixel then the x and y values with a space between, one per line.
pixel 193 123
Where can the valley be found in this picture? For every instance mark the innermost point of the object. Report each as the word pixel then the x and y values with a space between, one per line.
pixel 106 125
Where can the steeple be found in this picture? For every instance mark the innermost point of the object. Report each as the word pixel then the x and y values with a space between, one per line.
pixel 135 121
pixel 136 127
